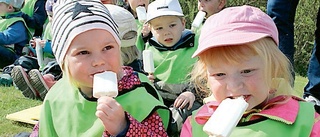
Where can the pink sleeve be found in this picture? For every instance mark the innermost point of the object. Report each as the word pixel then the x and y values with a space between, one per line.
pixel 186 130
pixel 316 127
pixel 35 131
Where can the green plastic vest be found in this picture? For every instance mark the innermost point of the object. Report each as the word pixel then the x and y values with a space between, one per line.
pixel 76 109
pixel 5 23
pixel 28 9
pixel 47 32
pixel 173 67
pixel 270 128
pixel 139 43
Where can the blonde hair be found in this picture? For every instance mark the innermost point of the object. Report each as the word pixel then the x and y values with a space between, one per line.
pixel 276 63
pixel 66 72
pixel 129 54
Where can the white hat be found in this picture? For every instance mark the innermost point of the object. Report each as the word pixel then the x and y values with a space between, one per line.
pixel 15 3
pixel 126 24
pixel 164 8
pixel 74 17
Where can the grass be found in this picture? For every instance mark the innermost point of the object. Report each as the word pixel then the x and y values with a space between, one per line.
pixel 11 100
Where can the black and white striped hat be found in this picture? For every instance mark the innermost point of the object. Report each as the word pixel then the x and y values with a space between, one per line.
pixel 72 17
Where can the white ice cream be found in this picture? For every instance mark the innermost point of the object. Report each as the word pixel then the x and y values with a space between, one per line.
pixel 148 64
pixel 198 20
pixel 226 117
pixel 141 13
pixel 105 84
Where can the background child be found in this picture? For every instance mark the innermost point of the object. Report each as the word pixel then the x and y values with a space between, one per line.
pixel 238 56
pixel 128 35
pixel 86 42
pixel 35 16
pixel 210 7
pixel 14 34
pixel 172 46
pixel 31 82
pixel 131 6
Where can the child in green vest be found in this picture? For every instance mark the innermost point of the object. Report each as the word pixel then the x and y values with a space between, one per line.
pixel 86 42
pixel 14 34
pixel 128 35
pixel 172 46
pixel 238 56
pixel 131 6
pixel 35 16
pixel 35 83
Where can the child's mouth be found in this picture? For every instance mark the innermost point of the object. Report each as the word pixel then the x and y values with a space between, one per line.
pixel 168 40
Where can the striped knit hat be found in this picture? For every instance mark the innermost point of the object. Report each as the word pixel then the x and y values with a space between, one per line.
pixel 74 17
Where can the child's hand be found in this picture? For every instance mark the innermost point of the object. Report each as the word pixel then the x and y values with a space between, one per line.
pixel 151 77
pixel 33 42
pixel 111 114
pixel 145 30
pixel 183 99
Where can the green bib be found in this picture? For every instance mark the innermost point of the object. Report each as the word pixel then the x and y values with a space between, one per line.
pixel 66 113
pixel 139 43
pixel 5 23
pixel 270 128
pixel 173 66
pixel 28 9
pixel 47 32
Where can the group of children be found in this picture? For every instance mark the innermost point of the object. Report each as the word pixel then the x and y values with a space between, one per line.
pixel 235 54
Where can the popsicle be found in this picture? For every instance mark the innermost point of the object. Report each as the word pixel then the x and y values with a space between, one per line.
pixel 39 52
pixel 105 84
pixel 148 64
pixel 198 20
pixel 141 13
pixel 226 117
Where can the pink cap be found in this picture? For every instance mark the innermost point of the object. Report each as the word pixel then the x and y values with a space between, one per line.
pixel 236 26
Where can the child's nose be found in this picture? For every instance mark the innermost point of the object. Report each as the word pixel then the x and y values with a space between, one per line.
pixel 98 61
pixel 234 84
pixel 167 33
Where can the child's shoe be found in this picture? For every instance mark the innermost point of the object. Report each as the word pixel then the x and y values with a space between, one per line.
pixel 5 80
pixel 38 83
pixel 21 80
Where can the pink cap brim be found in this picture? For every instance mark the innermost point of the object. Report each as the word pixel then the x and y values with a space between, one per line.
pixel 231 38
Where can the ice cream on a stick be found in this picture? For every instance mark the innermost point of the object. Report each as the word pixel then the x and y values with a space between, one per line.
pixel 225 118
pixel 105 84
pixel 198 20
pixel 141 13
pixel 148 64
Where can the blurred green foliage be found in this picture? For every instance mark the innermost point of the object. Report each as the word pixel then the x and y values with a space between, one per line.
pixel 304 26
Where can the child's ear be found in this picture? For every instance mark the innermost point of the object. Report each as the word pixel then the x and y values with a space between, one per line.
pixel 222 4
pixel 10 8
pixel 183 21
